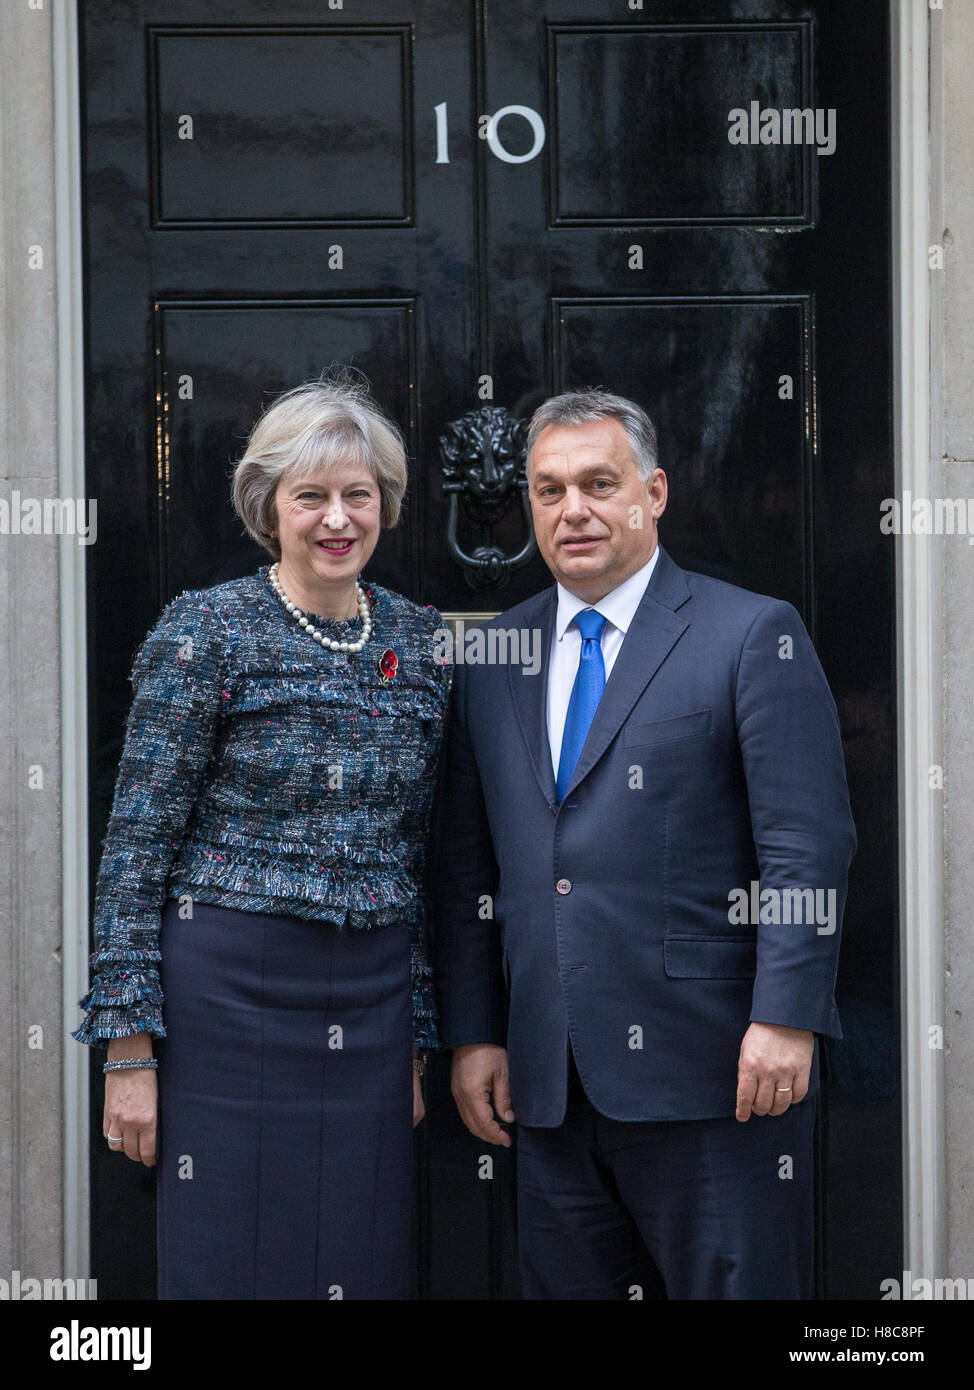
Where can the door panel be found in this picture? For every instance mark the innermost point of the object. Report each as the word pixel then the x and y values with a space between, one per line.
pixel 697 347
pixel 210 353
pixel 264 199
pixel 638 120
pixel 295 126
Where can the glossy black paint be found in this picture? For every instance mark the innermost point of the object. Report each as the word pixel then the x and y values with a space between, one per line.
pixel 212 281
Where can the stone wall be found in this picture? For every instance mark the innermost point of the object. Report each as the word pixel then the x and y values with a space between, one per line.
pixel 957 435
pixel 31 1022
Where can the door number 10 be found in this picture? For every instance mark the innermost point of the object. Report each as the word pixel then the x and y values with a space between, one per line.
pixel 488 131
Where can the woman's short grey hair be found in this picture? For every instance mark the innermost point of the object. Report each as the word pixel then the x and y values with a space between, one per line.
pixel 579 407
pixel 309 430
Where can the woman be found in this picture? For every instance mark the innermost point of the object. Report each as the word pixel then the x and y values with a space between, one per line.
pixel 262 873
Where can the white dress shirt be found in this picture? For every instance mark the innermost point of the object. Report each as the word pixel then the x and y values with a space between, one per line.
pixel 618 608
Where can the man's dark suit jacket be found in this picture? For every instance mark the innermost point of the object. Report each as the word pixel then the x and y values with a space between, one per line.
pixel 618 918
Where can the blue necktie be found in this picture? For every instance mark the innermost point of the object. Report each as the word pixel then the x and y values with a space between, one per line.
pixel 586 693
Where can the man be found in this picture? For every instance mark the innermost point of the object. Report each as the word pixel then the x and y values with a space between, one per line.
pixel 647 845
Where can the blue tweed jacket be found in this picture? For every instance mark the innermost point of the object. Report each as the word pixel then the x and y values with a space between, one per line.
pixel 265 773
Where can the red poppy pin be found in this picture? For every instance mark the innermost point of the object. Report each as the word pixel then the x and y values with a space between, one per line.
pixel 388 665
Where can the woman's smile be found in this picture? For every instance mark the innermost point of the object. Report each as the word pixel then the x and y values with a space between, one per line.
pixel 338 547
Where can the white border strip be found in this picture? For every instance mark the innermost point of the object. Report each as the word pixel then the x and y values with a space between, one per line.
pixel 74 737
pixel 919 659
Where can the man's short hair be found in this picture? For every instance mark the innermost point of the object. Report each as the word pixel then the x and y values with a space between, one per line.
pixel 578 407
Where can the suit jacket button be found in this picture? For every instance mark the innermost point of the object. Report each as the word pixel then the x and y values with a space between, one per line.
pixel 564 885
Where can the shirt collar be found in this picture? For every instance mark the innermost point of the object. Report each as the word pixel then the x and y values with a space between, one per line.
pixel 618 606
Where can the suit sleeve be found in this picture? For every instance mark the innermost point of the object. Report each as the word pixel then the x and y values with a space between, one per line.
pixel 466 948
pixel 804 836
pixel 179 686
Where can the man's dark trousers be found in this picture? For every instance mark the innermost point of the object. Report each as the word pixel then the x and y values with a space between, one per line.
pixel 723 1208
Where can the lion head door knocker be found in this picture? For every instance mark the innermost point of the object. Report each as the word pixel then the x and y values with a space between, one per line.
pixel 483 458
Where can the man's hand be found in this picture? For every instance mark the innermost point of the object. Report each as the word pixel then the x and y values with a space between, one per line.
pixel 479 1075
pixel 773 1069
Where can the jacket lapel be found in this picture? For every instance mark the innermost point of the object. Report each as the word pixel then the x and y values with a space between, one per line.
pixel 655 629
pixel 530 694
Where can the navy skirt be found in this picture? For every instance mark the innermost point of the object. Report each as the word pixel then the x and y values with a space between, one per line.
pixel 285 1109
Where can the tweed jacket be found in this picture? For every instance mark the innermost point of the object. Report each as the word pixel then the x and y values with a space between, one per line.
pixel 266 773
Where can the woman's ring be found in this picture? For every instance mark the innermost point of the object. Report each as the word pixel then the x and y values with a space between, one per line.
pixel 113 1140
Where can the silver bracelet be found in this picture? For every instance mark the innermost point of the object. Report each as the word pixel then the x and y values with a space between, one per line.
pixel 127 1063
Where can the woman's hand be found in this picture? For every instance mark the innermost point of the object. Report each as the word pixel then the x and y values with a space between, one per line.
pixel 419 1109
pixel 131 1102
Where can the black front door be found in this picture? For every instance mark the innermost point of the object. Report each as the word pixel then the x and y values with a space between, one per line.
pixel 477 207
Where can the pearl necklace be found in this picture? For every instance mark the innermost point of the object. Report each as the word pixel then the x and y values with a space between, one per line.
pixel 363 608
